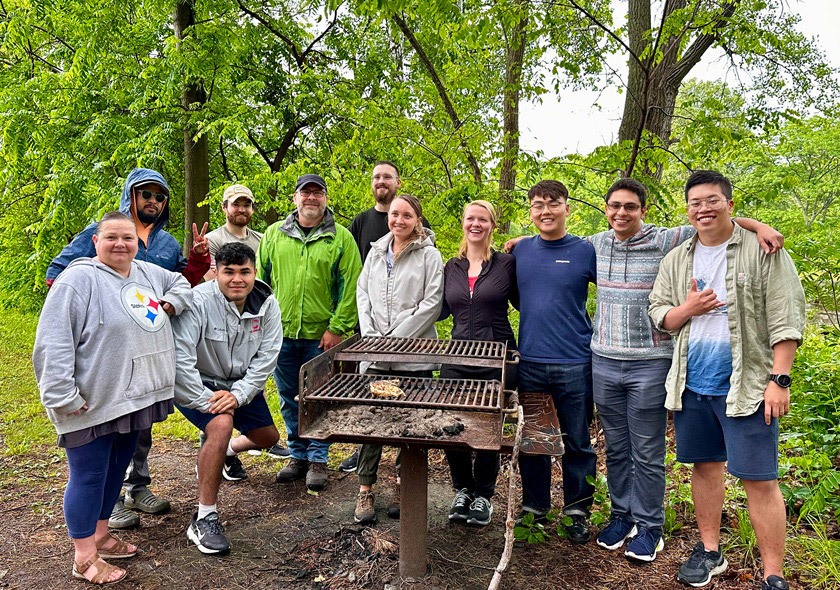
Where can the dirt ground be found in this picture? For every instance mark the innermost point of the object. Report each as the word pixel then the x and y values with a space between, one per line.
pixel 283 537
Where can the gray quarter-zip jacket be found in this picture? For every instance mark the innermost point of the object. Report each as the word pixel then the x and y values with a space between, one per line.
pixel 215 343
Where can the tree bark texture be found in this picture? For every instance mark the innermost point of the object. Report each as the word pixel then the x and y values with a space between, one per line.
pixel 510 114
pixel 196 154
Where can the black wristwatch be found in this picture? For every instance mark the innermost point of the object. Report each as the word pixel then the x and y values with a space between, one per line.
pixel 782 380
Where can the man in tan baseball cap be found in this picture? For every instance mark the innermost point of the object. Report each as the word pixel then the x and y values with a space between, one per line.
pixel 238 205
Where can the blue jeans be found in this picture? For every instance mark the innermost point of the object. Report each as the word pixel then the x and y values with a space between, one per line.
pixel 293 354
pixel 570 387
pixel 630 397
pixel 96 475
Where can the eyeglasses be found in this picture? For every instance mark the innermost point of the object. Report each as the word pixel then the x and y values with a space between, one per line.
pixel 553 206
pixel 146 195
pixel 629 207
pixel 306 193
pixel 712 203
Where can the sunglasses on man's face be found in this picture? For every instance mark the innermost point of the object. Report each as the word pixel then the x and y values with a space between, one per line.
pixel 146 195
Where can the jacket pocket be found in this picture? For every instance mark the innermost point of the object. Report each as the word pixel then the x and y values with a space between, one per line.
pixel 151 373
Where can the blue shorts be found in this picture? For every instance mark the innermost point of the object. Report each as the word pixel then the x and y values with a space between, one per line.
pixel 706 434
pixel 245 418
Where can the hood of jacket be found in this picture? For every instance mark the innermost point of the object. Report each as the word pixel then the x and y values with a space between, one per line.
pixel 142 176
pixel 380 246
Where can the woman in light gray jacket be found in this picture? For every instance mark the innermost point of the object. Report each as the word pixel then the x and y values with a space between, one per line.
pixel 105 362
pixel 399 294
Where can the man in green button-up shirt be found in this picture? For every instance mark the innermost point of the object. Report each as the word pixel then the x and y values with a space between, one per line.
pixel 738 315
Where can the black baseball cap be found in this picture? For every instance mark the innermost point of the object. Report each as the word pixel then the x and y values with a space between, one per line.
pixel 302 181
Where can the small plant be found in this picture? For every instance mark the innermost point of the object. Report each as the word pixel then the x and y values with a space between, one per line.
pixel 601 502
pixel 530 530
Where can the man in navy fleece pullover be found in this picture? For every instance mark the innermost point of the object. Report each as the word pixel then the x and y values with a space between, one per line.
pixel 553 272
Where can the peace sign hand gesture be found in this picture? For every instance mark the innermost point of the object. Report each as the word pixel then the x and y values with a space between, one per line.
pixel 200 244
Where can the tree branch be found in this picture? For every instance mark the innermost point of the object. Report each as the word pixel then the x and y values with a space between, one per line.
pixel 695 51
pixel 444 96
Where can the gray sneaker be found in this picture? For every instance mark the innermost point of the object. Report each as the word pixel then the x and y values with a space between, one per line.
pixel 481 511
pixel 698 570
pixel 316 477
pixel 122 517
pixel 147 502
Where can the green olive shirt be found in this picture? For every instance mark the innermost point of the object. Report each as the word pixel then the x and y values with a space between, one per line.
pixel 766 306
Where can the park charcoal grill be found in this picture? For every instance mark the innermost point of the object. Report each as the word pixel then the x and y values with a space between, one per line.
pixel 330 383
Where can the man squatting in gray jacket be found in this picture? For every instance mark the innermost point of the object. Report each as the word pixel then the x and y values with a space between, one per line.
pixel 226 348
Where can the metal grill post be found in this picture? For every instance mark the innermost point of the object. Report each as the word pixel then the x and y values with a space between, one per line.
pixel 414 487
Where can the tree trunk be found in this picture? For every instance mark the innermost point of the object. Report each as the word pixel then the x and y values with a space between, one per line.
pixel 196 155
pixel 510 115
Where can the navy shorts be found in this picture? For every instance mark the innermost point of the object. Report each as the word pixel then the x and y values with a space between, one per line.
pixel 706 434
pixel 245 418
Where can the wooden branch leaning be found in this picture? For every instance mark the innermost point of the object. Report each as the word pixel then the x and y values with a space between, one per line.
pixel 509 523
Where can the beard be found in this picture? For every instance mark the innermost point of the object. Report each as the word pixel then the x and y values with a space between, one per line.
pixel 147 218
pixel 237 219
pixel 384 198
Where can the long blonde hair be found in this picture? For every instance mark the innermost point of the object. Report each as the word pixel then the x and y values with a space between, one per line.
pixel 488 253
pixel 419 231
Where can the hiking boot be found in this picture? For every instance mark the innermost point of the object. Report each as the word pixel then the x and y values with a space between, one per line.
pixel 208 534
pixel 232 470
pixel 774 583
pixel 316 477
pixel 578 530
pixel 350 463
pixel 460 509
pixel 296 469
pixel 645 545
pixel 278 451
pixel 147 502
pixel 481 511
pixel 698 570
pixel 365 512
pixel 122 517
pixel 393 509
pixel 615 533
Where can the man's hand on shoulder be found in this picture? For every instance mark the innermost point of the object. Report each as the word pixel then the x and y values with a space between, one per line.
pixel 511 243
pixel 771 241
pixel 223 402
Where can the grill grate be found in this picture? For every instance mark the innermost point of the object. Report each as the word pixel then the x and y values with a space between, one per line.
pixel 460 394
pixel 425 350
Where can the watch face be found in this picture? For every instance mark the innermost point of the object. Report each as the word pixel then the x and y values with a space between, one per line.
pixel 783 380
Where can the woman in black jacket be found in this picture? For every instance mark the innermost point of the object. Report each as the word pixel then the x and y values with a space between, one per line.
pixel 479 285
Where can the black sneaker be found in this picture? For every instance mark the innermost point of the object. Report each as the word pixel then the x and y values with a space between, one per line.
pixel 481 511
pixel 278 451
pixel 460 509
pixel 350 463
pixel 698 570
pixel 577 531
pixel 774 583
pixel 233 470
pixel 208 534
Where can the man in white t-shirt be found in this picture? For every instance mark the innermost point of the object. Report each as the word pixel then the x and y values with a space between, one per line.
pixel 738 315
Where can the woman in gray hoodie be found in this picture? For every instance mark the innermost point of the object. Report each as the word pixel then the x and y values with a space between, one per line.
pixel 399 294
pixel 105 363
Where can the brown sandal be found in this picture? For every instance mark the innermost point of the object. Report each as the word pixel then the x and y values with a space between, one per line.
pixel 120 550
pixel 104 571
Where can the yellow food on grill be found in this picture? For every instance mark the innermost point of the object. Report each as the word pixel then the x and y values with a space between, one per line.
pixel 387 388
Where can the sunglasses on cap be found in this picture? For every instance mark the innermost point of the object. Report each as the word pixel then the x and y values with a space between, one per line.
pixel 147 194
